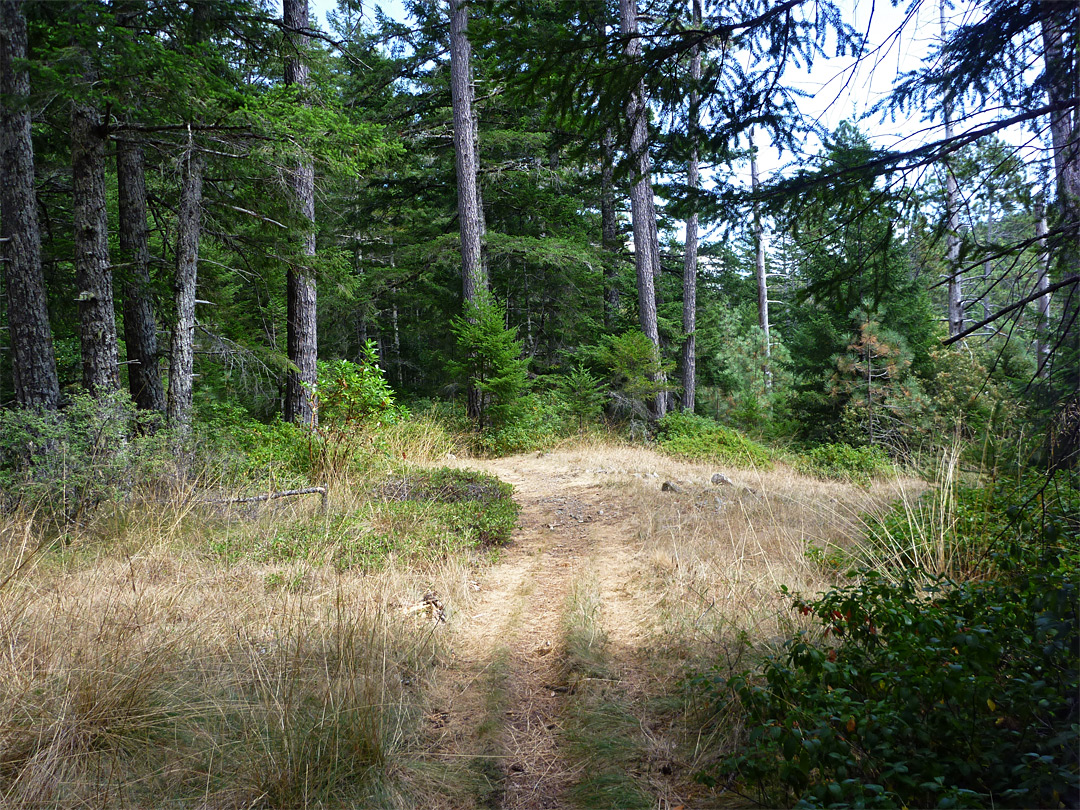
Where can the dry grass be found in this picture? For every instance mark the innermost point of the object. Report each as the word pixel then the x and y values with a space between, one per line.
pixel 138 670
pixel 721 552
pixel 142 663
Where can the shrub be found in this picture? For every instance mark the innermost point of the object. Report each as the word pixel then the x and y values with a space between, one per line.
pixel 843 462
pixel 635 372
pixel 921 691
pixel 95 449
pixel 685 434
pixel 350 393
pixel 539 422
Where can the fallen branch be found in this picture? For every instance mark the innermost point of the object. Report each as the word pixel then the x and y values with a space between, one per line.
pixel 272 496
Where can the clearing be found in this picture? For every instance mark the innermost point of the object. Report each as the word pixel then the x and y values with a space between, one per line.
pixel 628 569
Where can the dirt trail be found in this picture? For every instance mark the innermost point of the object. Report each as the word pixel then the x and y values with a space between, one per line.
pixel 508 645
pixel 662 572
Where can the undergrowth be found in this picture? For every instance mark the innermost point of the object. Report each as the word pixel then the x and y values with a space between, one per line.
pixel 919 687
pixel 696 437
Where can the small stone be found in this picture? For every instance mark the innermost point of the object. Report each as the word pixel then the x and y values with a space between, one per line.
pixel 670 487
pixel 720 478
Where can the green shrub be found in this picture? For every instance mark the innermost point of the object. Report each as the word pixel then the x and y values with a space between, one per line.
pixel 95 449
pixel 922 692
pixel 539 421
pixel 843 462
pixel 235 450
pixel 492 361
pixel 686 434
pixel 351 393
pixel 635 372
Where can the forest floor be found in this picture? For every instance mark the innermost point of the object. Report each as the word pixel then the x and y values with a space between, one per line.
pixel 629 570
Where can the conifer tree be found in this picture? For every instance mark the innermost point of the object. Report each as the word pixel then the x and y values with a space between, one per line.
pixel 33 360
pixel 302 337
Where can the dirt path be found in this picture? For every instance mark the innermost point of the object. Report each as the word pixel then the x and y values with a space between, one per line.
pixel 662 574
pixel 508 686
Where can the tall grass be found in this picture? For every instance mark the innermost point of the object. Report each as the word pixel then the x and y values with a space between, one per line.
pixel 136 669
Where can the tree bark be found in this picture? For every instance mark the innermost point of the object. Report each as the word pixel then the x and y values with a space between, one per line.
pixel 642 206
pixel 759 268
pixel 140 322
pixel 609 228
pixel 955 305
pixel 93 272
pixel 32 358
pixel 302 328
pixel 1042 324
pixel 1062 80
pixel 182 350
pixel 474 279
pixel 689 318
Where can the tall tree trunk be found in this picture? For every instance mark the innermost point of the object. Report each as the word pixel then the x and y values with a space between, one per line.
pixel 642 206
pixel 759 267
pixel 955 306
pixel 1062 85
pixel 988 264
pixel 609 228
pixel 473 277
pixel 689 316
pixel 32 358
pixel 302 337
pixel 140 323
pixel 182 350
pixel 93 272
pixel 1042 325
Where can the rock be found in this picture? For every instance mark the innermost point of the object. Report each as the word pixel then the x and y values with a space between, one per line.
pixel 670 487
pixel 451 457
pixel 720 478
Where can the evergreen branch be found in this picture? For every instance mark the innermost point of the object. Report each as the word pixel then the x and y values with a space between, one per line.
pixel 1065 282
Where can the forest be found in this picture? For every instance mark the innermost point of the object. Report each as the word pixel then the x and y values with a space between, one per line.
pixel 489 403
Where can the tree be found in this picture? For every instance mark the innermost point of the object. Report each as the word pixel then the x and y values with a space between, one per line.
pixel 492 361
pixel 473 276
pixel 33 361
pixel 955 306
pixel 302 337
pixel 689 363
pixel 140 323
pixel 93 270
pixel 646 236
pixel 759 263
pixel 188 227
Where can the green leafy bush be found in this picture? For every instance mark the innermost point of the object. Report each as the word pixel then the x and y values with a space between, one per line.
pixel 686 434
pixel 235 450
pixel 350 393
pixel 843 462
pixel 921 692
